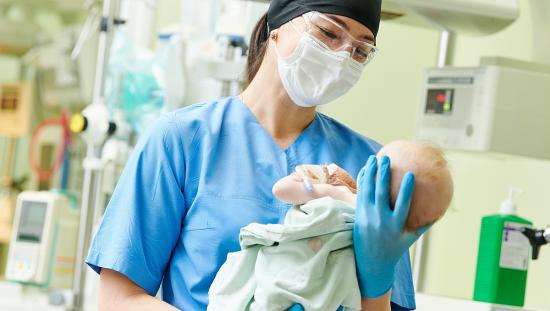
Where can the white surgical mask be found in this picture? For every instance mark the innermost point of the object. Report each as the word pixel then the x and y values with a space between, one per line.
pixel 315 75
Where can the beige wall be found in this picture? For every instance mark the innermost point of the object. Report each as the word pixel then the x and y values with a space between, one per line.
pixel 383 106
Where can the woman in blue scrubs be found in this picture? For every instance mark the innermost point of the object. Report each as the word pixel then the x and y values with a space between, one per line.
pixel 203 172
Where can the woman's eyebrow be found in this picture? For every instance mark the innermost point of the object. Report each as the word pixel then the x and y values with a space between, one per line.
pixel 340 22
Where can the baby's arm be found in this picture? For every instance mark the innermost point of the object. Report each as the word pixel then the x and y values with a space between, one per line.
pixel 290 189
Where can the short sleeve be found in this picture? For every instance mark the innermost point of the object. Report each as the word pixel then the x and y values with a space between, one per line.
pixel 395 307
pixel 143 219
pixel 402 294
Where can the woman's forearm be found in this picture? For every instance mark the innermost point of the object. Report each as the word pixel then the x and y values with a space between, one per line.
pixel 117 292
pixel 377 304
pixel 143 302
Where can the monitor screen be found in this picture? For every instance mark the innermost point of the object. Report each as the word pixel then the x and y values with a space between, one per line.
pixel 31 224
pixel 440 102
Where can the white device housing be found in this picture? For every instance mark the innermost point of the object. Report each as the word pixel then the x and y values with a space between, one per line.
pixel 475 17
pixel 43 243
pixel 489 108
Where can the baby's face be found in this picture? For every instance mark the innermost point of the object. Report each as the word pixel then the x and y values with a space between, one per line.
pixel 433 187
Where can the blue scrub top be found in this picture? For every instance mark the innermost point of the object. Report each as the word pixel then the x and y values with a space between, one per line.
pixel 194 179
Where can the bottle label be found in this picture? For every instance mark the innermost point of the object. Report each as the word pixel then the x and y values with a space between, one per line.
pixel 515 250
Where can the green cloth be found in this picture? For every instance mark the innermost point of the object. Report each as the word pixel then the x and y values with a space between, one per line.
pixel 307 260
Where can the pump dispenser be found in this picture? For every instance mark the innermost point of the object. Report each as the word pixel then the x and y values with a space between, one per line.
pixel 508 206
pixel 503 256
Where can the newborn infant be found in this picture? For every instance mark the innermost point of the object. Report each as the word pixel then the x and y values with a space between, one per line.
pixel 309 258
pixel 432 193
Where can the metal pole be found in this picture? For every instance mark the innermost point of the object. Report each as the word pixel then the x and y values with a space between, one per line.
pixel 418 261
pixel 92 163
pixel 422 244
pixel 92 169
pixel 105 24
pixel 444 44
pixel 7 179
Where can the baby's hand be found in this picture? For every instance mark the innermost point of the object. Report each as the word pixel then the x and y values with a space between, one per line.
pixel 326 180
pixel 296 177
pixel 291 189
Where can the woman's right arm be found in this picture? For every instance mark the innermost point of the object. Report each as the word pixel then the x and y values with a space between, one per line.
pixel 379 239
pixel 117 292
pixel 143 221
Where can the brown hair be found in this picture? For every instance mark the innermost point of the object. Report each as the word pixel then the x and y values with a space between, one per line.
pixel 258 47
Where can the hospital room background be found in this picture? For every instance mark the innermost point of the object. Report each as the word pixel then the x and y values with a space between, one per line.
pixel 386 104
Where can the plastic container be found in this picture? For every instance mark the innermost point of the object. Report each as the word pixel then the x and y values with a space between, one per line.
pixel 503 257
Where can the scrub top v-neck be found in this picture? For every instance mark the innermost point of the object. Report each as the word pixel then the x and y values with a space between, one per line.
pixel 195 178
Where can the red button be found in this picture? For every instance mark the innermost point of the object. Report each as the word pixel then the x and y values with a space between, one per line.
pixel 441 98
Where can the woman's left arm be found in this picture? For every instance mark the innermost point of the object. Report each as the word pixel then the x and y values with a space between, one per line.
pixel 378 237
pixel 376 304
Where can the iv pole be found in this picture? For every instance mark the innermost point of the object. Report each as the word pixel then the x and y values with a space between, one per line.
pixel 100 128
pixel 95 125
pixel 445 44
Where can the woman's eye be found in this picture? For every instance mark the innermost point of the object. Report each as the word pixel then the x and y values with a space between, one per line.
pixel 362 53
pixel 328 33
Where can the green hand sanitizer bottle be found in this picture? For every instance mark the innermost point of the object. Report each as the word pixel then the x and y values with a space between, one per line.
pixel 503 257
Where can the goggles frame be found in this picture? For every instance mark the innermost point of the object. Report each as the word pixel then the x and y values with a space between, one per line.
pixel 361 51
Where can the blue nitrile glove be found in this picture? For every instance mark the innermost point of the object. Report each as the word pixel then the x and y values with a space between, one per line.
pixel 298 307
pixel 378 236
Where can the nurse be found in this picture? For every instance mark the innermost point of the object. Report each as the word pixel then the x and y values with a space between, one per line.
pixel 203 172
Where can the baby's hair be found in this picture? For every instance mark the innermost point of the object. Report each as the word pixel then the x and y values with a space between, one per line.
pixel 433 187
pixel 439 163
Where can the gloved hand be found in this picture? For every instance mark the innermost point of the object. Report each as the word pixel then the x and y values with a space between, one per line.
pixel 378 236
pixel 298 307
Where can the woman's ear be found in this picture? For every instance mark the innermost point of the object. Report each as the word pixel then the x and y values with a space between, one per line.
pixel 274 35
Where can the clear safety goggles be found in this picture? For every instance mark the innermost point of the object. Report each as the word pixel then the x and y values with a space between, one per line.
pixel 335 37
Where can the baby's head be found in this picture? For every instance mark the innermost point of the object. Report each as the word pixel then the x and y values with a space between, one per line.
pixel 433 189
